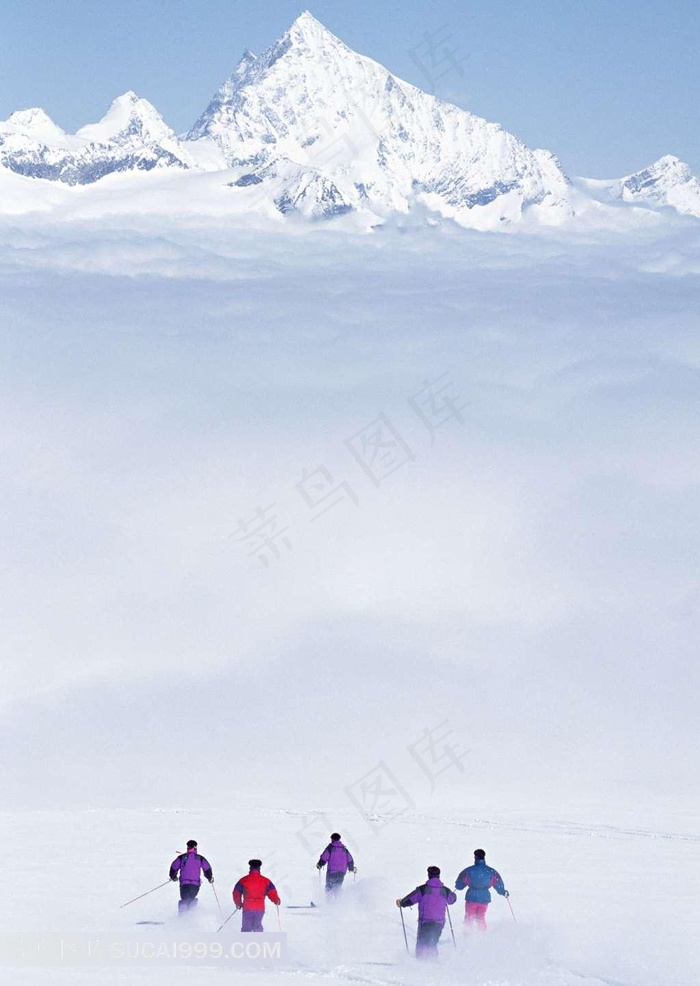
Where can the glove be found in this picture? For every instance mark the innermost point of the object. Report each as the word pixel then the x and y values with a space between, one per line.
pixel 398 902
pixel 174 879
pixel 211 879
pixel 353 869
pixel 506 894
pixel 319 866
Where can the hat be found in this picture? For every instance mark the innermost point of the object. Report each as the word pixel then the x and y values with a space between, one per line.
pixel 254 864
pixel 335 837
pixel 433 871
pixel 479 854
pixel 191 843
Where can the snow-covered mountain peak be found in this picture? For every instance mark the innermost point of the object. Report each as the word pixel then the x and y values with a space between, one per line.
pixel 668 160
pixel 310 126
pixel 668 169
pixel 313 115
pixel 130 115
pixel 667 182
pixel 304 42
pixel 305 80
pixel 132 136
pixel 308 32
pixel 35 123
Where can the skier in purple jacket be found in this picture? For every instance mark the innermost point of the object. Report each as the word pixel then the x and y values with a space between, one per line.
pixel 190 865
pixel 432 899
pixel 339 863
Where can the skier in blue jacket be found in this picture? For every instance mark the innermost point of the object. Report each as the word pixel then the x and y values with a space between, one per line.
pixel 479 879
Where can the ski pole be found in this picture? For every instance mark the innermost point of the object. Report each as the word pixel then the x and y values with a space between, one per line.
pixel 449 918
pixel 279 920
pixel 227 919
pixel 403 925
pixel 146 894
pixel 511 909
pixel 217 898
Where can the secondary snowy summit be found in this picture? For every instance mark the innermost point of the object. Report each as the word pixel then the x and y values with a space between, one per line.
pixel 667 182
pixel 131 136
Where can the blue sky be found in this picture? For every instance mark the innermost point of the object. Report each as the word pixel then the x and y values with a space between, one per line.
pixel 608 86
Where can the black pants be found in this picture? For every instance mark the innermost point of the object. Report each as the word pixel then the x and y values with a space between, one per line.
pixel 428 936
pixel 188 892
pixel 334 881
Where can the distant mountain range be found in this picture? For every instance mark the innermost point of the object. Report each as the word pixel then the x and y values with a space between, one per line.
pixel 309 127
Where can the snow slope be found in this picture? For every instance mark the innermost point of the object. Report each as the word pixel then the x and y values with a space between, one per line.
pixel 552 865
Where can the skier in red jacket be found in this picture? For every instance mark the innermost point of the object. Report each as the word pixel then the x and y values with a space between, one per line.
pixel 250 893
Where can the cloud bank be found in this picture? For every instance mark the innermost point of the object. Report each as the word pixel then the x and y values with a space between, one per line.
pixel 529 572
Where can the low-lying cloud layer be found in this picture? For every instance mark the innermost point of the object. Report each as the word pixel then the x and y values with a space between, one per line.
pixel 527 567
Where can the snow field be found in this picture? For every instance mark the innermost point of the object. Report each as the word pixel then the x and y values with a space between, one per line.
pixel 582 896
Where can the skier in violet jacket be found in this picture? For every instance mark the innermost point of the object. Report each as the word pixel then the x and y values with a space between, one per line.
pixel 432 899
pixel 479 878
pixel 339 862
pixel 190 865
